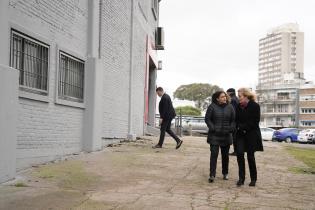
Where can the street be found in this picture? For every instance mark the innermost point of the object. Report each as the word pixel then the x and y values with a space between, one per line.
pixel 132 175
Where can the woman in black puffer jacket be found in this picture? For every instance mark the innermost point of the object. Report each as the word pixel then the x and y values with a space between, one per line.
pixel 220 119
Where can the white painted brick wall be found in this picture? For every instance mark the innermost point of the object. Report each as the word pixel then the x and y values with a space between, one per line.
pixel 116 58
pixel 139 68
pixel 47 130
pixel 116 25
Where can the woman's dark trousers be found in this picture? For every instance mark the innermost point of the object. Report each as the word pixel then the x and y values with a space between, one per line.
pixel 251 165
pixel 166 127
pixel 214 156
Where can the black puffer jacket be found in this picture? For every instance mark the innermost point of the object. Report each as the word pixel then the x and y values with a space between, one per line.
pixel 220 120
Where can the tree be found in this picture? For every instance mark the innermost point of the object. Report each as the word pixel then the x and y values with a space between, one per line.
pixel 200 93
pixel 188 110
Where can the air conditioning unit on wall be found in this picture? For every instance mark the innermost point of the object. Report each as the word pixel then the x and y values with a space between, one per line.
pixel 159 39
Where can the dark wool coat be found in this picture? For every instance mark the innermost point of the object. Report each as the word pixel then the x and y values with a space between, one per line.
pixel 220 120
pixel 234 101
pixel 248 136
pixel 166 109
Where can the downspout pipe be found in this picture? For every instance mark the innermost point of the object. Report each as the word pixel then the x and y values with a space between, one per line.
pixel 131 135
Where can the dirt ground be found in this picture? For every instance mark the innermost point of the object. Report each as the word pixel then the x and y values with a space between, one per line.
pixel 132 175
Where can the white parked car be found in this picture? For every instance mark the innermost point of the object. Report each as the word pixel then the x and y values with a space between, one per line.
pixel 197 124
pixel 306 136
pixel 266 133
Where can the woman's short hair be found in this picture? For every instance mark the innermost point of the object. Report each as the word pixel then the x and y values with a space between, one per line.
pixel 246 92
pixel 217 94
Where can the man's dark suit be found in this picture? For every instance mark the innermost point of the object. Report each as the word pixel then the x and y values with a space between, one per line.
pixel 167 114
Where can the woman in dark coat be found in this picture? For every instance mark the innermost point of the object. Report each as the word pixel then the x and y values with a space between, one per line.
pixel 220 119
pixel 248 136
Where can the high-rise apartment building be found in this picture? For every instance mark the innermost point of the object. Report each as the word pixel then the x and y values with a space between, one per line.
pixel 281 59
pixel 281 56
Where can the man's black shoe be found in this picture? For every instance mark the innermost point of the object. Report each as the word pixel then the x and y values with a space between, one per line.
pixel 157 146
pixel 233 153
pixel 179 143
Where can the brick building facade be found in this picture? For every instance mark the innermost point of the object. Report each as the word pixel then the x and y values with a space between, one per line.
pixel 307 107
pixel 86 74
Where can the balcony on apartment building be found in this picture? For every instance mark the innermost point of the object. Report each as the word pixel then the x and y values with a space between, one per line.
pixel 282 110
pixel 276 99
pixel 276 114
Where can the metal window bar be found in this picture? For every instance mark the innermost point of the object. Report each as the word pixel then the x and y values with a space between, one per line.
pixel 31 59
pixel 71 78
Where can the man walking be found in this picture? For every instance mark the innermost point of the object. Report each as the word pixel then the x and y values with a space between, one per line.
pixel 167 114
pixel 234 102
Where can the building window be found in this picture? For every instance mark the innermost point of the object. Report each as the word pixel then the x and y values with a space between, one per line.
pixel 307 123
pixel 30 57
pixel 71 78
pixel 283 108
pixel 155 7
pixel 308 110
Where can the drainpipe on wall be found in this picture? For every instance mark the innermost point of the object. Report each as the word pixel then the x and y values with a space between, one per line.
pixel 131 135
pixel 9 84
pixel 4 33
pixel 92 121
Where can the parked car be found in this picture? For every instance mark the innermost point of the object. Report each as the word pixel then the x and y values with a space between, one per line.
pixel 267 133
pixel 197 125
pixel 286 134
pixel 307 136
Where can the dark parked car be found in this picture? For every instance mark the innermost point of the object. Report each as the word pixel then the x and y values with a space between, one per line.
pixel 286 134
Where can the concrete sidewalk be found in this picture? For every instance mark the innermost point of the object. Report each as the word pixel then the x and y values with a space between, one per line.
pixel 134 176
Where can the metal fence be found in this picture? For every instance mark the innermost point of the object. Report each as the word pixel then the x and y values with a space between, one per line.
pixel 185 124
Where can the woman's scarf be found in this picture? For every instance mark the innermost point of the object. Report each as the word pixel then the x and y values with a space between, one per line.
pixel 244 103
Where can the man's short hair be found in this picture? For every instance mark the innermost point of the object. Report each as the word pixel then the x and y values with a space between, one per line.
pixel 159 89
pixel 231 90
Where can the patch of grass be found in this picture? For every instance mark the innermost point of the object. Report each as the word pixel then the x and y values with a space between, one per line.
pixel 20 184
pixel 305 155
pixel 300 170
pixel 93 205
pixel 70 174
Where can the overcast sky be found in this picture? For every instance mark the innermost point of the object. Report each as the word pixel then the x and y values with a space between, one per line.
pixel 216 41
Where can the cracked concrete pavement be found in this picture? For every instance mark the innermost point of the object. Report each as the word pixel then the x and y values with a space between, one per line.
pixel 132 175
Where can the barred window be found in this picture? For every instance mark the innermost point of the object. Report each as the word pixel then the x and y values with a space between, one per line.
pixel 30 57
pixel 71 78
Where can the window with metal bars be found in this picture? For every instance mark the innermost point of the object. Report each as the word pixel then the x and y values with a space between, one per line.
pixel 30 57
pixel 71 78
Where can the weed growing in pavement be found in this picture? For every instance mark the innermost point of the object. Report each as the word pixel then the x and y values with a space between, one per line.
pixel 70 174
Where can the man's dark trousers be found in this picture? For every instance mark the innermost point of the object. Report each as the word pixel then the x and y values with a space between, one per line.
pixel 166 127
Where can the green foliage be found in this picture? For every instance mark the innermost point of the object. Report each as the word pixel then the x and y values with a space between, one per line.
pixel 188 110
pixel 200 93
pixel 20 184
pixel 305 155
